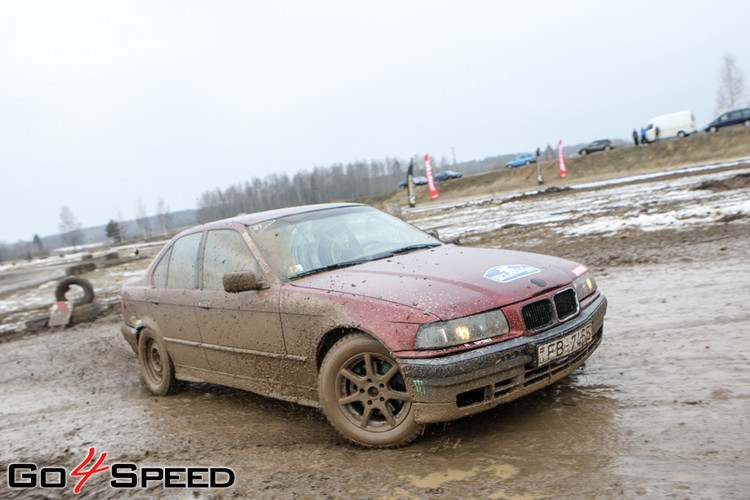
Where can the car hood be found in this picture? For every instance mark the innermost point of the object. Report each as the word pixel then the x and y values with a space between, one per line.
pixel 449 281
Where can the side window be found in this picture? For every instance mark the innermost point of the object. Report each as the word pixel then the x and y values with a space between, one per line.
pixel 225 252
pixel 159 277
pixel 182 262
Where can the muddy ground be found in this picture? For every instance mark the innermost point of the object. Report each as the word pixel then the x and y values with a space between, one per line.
pixel 662 409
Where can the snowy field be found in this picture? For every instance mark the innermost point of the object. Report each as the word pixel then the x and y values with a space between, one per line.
pixel 653 202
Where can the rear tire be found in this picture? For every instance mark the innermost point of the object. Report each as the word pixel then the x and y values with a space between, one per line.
pixel 156 364
pixel 681 134
pixel 364 396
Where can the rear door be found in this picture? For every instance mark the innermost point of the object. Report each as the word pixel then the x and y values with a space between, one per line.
pixel 172 302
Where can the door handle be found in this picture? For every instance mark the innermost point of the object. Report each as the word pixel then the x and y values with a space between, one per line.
pixel 204 304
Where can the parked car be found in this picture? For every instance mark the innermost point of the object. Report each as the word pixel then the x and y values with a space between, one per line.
pixel 346 308
pixel 417 181
pixel 448 175
pixel 522 159
pixel 679 124
pixel 730 118
pixel 600 145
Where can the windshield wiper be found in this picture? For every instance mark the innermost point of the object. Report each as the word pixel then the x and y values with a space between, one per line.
pixel 420 246
pixel 354 262
pixel 330 267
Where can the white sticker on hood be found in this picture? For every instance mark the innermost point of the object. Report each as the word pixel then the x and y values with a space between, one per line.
pixel 505 274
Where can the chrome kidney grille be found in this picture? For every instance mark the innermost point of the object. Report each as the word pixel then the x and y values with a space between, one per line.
pixel 543 313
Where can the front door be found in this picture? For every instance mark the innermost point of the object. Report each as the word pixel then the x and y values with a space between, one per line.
pixel 241 332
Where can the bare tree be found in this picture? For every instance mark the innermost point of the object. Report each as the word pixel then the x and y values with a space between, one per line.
pixel 142 217
pixel 70 228
pixel 731 90
pixel 162 210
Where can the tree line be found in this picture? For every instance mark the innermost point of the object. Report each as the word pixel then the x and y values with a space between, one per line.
pixel 322 184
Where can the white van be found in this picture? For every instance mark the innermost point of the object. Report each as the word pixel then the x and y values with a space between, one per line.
pixel 677 124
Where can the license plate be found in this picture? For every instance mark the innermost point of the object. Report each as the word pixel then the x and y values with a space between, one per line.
pixel 563 346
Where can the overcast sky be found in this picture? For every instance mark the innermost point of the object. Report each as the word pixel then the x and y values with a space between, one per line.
pixel 103 103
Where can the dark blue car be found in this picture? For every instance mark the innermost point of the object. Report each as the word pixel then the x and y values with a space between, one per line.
pixel 735 117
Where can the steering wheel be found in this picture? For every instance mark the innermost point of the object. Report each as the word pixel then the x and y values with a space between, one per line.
pixel 337 244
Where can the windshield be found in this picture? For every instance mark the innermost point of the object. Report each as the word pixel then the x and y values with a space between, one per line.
pixel 312 242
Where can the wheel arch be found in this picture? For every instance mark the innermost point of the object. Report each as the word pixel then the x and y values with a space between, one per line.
pixel 144 323
pixel 331 337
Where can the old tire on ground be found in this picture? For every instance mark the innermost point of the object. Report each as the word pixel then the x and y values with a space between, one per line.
pixel 86 313
pixel 64 287
pixel 364 396
pixel 156 365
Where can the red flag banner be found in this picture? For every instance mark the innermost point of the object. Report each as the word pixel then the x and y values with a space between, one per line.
pixel 563 172
pixel 430 178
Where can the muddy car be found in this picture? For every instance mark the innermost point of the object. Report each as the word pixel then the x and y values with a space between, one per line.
pixel 346 308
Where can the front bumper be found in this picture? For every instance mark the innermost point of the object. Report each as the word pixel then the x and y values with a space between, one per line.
pixel 470 382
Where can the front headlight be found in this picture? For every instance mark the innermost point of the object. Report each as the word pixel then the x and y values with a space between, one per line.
pixel 459 331
pixel 584 285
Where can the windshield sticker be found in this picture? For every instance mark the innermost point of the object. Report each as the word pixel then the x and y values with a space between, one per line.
pixel 505 274
pixel 256 228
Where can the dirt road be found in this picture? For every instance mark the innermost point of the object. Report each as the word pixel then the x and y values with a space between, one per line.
pixel 662 409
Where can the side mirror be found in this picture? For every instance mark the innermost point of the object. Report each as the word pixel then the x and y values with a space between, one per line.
pixel 243 281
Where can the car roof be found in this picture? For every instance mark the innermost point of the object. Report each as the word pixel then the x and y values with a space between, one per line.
pixel 255 218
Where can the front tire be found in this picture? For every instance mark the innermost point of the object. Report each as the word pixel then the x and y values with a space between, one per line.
pixel 363 394
pixel 156 364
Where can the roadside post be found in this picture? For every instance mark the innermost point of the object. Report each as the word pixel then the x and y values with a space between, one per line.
pixel 410 185
pixel 539 178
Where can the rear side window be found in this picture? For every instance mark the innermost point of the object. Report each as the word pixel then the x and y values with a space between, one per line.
pixel 182 262
pixel 159 278
pixel 225 252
